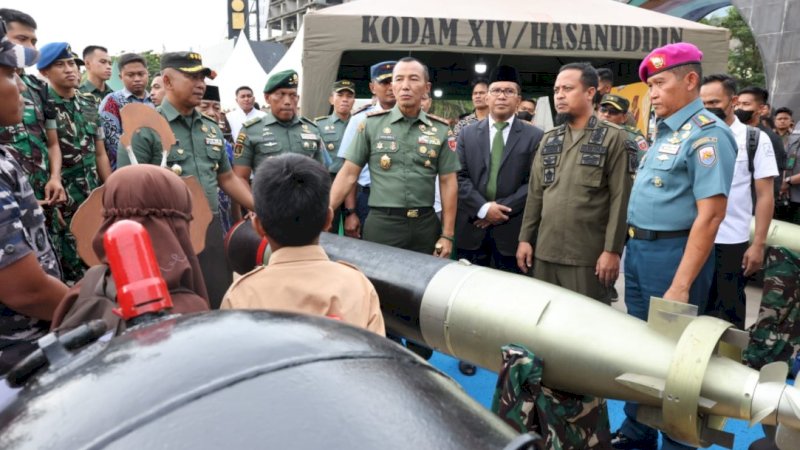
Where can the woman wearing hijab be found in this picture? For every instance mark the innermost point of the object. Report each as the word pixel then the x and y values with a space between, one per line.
pixel 161 202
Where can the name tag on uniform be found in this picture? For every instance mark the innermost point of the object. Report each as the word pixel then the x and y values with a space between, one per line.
pixel 214 141
pixel 671 149
pixel 429 140
pixel 308 136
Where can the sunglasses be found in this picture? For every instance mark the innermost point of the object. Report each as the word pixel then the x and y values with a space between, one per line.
pixel 610 111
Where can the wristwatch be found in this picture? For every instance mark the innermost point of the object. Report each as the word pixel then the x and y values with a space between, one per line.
pixel 348 211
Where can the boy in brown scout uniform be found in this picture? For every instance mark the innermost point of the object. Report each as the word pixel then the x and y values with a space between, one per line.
pixel 291 194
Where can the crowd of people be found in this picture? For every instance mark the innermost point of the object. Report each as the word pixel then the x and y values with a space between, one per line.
pixel 559 204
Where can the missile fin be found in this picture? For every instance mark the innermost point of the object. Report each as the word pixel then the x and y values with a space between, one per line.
pixel 670 318
pixel 644 384
pixel 713 436
pixel 761 415
pixel 792 397
pixel 787 438
pixel 737 338
pixel 774 372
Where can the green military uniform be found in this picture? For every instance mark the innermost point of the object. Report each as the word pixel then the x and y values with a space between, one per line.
pixel 638 138
pixel 577 203
pixel 79 128
pixel 332 128
pixel 27 141
pixel 405 155
pixel 622 104
pixel 266 136
pixel 97 95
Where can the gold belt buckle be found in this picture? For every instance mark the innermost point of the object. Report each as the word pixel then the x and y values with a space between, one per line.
pixel 412 213
pixel 631 232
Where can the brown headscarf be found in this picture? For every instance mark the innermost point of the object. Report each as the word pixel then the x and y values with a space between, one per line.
pixel 160 201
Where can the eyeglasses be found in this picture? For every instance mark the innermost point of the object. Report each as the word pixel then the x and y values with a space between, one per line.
pixel 610 111
pixel 508 92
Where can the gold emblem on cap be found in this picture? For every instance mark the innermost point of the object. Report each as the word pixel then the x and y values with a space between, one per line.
pixel 176 169
pixel 293 79
pixel 386 162
pixel 657 61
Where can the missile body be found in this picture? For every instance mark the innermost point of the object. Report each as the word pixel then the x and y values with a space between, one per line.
pixel 684 370
pixel 781 234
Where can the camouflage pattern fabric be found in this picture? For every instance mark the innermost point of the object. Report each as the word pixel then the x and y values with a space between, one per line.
pixel 78 128
pixel 468 120
pixel 28 140
pixel 22 231
pixel 776 334
pixel 564 420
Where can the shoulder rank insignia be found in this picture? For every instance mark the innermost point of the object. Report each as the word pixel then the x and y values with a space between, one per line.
pixel 439 119
pixel 247 123
pixel 703 120
pixel 317 119
pixel 378 113
pixel 206 116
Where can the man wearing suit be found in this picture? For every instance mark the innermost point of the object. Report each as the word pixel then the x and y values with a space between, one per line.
pixel 495 155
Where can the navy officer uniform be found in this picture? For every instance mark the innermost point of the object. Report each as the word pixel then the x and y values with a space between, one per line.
pixel 692 158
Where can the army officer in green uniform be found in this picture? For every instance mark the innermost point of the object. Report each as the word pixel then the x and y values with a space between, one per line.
pixel 282 130
pixel 405 148
pixel 614 109
pixel 199 151
pixel 332 128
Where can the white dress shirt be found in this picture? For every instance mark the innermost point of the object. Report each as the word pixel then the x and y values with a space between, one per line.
pixel 237 117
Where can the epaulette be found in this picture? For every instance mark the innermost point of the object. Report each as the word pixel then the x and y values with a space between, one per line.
pixel 247 123
pixel 439 119
pixel 611 125
pixel 703 120
pixel 378 113
pixel 246 275
pixel 317 119
pixel 206 116
pixel 362 109
pixel 307 120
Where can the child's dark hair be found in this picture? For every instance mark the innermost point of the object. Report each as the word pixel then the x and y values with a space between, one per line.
pixel 291 193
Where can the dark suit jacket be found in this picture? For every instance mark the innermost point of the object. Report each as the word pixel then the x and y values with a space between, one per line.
pixel 512 182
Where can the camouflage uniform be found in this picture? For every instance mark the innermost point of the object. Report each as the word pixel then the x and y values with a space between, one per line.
pixel 641 142
pixel 79 127
pixel 28 140
pixel 468 120
pixel 22 231
pixel 564 420
pixel 776 334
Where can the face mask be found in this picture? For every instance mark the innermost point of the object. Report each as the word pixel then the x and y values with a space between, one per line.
pixel 719 112
pixel 744 116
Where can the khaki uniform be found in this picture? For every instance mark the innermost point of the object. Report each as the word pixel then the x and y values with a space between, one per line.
pixel 304 280
pixel 577 203
pixel 199 152
pixel 404 156
pixel 266 136
pixel 332 128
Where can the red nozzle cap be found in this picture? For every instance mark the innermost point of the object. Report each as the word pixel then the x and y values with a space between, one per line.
pixel 140 288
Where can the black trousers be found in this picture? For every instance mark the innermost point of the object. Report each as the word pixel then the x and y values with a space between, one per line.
pixel 726 298
pixel 487 255
pixel 214 264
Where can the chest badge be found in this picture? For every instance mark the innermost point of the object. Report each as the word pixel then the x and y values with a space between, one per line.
pixel 387 130
pixel 386 162
pixel 675 139
pixel 204 129
pixel 330 147
pixel 657 182
pixel 423 149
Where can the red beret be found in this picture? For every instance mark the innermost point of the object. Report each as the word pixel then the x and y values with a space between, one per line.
pixel 667 57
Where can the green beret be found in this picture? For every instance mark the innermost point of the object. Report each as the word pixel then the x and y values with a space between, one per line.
pixel 283 79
